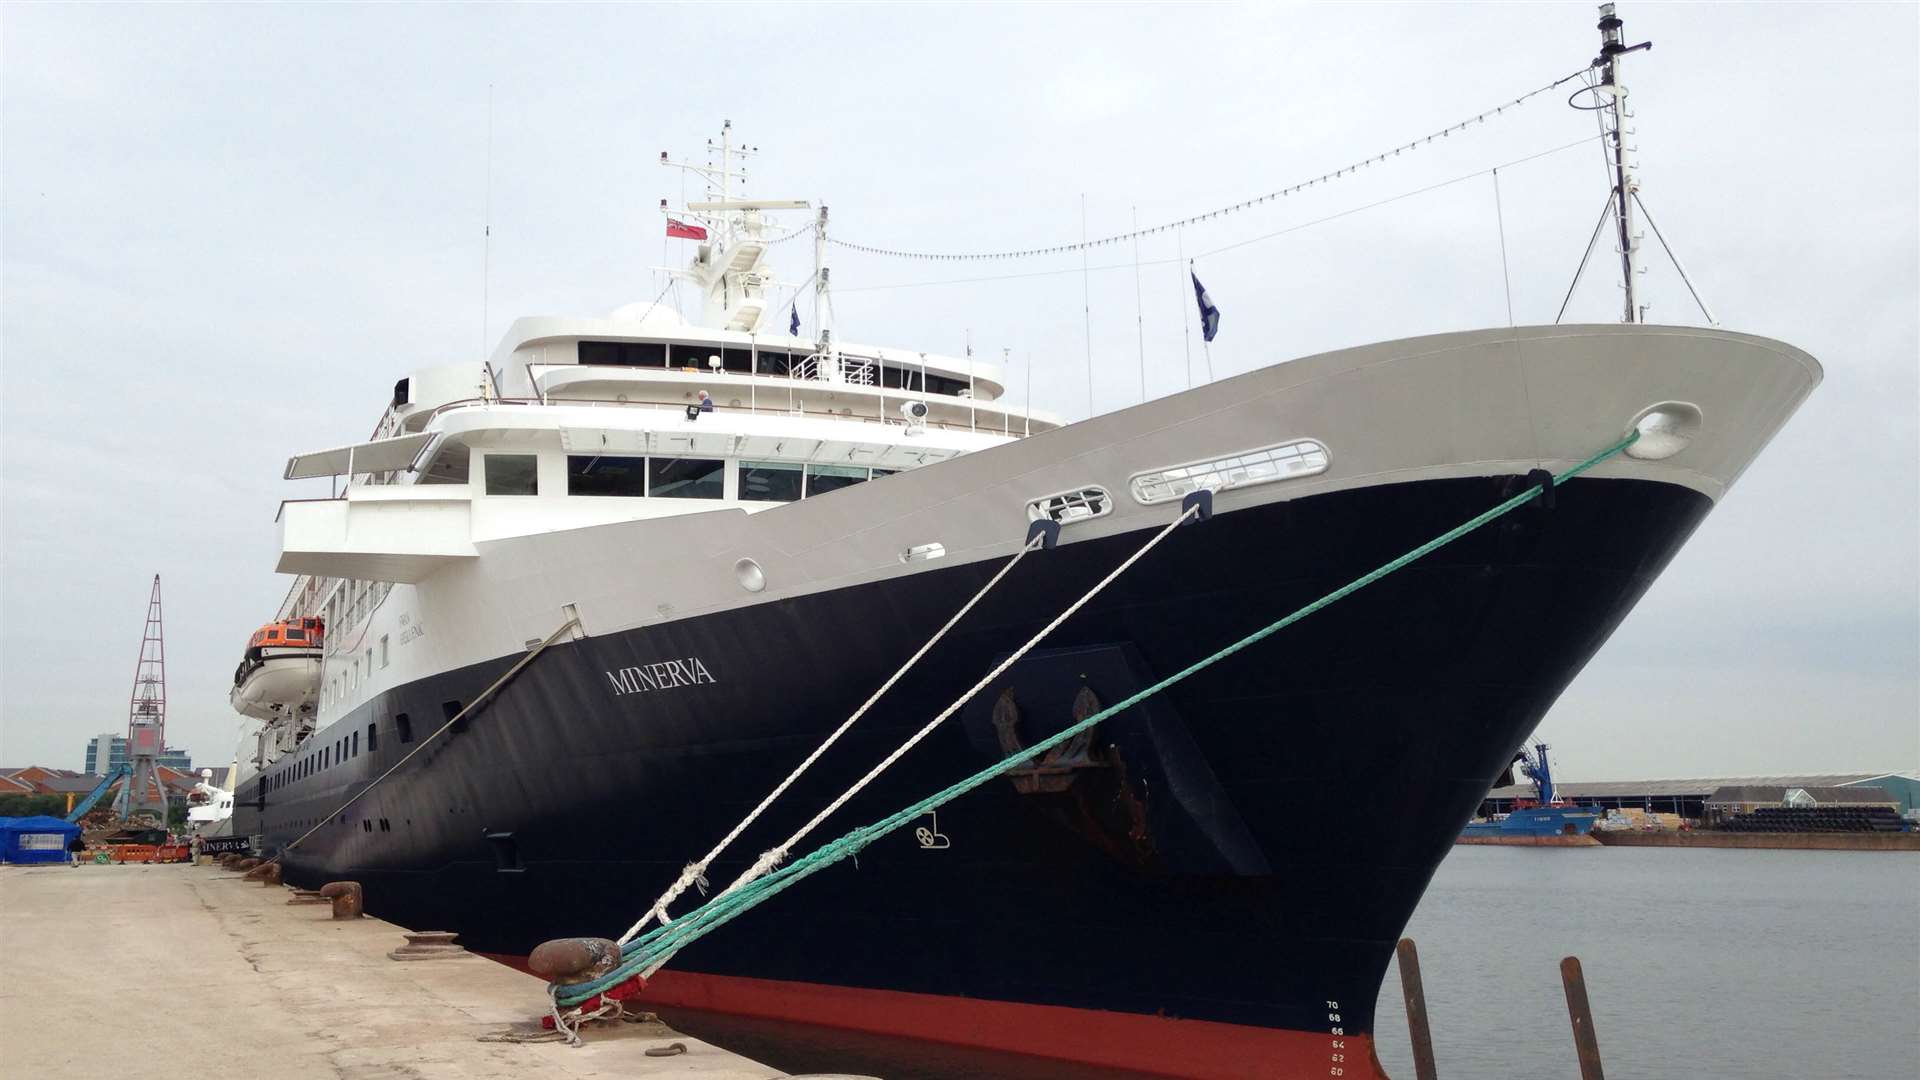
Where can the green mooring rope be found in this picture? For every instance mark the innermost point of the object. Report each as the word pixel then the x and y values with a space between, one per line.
pixel 658 945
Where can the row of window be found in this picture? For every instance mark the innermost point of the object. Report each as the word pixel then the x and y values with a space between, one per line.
pixel 763 361
pixel 784 481
pixel 675 478
pixel 350 677
pixel 347 747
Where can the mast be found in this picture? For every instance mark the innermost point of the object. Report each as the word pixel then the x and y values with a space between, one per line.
pixel 822 302
pixel 1614 116
pixel 729 263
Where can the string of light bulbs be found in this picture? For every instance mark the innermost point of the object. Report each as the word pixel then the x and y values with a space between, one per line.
pixel 1231 245
pixel 783 238
pixel 985 256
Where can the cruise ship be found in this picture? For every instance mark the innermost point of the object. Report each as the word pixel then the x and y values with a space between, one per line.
pixel 586 604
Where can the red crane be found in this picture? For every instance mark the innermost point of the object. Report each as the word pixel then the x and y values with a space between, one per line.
pixel 144 793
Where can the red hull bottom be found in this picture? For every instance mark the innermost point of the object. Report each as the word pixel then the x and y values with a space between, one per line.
pixel 1200 1049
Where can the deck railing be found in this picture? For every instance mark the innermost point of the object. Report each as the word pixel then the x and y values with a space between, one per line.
pixel 776 408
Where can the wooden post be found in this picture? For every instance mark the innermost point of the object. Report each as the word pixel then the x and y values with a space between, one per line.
pixel 1416 995
pixel 1584 1042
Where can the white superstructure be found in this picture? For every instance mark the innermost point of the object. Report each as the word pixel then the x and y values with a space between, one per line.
pixel 577 422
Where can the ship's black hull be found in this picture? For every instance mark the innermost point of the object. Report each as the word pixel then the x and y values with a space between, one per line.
pixel 1242 850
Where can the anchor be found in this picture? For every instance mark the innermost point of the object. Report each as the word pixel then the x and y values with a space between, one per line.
pixel 1107 811
pixel 1056 770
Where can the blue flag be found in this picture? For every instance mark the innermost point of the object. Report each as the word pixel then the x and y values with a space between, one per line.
pixel 793 324
pixel 1209 315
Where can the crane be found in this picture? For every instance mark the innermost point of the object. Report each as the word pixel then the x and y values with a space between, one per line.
pixel 1534 767
pixel 114 775
pixel 144 794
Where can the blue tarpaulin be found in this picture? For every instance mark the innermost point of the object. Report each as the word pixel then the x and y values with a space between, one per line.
pixel 35 839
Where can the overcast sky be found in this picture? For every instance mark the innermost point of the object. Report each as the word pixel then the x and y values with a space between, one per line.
pixel 227 230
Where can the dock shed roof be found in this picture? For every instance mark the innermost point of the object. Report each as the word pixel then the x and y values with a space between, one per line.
pixel 62 785
pixel 1858 795
pixel 1700 788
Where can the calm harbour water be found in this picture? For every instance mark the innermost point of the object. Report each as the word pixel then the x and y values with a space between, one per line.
pixel 1700 964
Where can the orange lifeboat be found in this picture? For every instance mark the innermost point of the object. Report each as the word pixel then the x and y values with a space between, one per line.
pixel 279 674
pixel 303 633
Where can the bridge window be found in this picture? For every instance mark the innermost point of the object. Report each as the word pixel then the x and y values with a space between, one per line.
pixel 778 361
pixel 686 478
pixel 597 474
pixel 624 353
pixel 513 474
pixel 770 481
pixel 824 478
pixel 449 465
pixel 912 379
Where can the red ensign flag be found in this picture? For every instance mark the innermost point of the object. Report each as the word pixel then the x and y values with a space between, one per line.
pixel 676 227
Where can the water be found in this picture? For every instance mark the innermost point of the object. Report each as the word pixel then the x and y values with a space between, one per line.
pixel 1701 964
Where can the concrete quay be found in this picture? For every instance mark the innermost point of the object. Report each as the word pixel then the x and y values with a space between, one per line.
pixel 175 971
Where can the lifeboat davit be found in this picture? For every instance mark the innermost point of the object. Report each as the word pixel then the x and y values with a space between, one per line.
pixel 280 674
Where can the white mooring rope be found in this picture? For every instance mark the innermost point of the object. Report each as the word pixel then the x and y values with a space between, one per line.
pixel 696 872
pixel 775 855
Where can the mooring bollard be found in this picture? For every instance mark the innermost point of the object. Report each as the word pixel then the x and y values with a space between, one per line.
pixel 348 901
pixel 1581 1013
pixel 573 959
pixel 429 945
pixel 246 864
pixel 267 873
pixel 1416 995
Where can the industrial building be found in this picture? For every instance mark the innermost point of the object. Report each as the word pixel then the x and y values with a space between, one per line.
pixel 1689 797
pixel 172 757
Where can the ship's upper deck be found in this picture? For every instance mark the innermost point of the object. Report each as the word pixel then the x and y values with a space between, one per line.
pixel 576 421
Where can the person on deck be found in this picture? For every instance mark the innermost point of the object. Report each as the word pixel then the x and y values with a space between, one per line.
pixel 706 403
pixel 76 850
